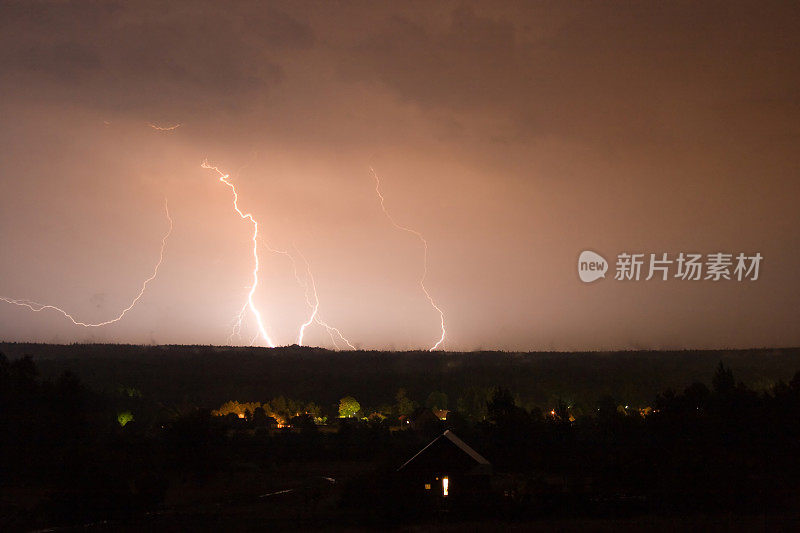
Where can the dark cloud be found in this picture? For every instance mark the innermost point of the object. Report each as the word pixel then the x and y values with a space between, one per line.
pixel 513 134
pixel 617 71
pixel 611 70
pixel 470 62
pixel 146 55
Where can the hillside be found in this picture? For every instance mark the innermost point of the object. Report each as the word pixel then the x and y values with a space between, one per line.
pixel 209 375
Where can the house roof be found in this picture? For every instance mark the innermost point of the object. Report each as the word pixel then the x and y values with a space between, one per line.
pixel 465 447
pixel 460 444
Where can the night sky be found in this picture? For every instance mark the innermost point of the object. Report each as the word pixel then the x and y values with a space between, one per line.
pixel 512 136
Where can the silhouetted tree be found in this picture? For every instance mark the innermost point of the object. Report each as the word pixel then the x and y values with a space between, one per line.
pixel 696 395
pixel 501 407
pixel 472 403
pixel 607 409
pixel 562 411
pixel 259 417
pixel 723 381
pixel 436 400
pixel 403 404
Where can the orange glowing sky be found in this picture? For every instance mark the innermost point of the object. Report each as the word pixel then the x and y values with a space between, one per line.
pixel 511 135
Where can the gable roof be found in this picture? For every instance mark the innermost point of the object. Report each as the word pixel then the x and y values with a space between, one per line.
pixel 460 444
pixel 465 447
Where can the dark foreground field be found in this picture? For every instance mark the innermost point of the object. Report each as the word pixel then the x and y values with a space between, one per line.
pixel 185 438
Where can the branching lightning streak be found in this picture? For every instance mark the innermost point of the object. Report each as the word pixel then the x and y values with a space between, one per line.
pixel 315 307
pixel 331 330
pixel 424 257
pixel 250 303
pixel 237 325
pixel 308 289
pixel 315 314
pixel 163 128
pixel 35 306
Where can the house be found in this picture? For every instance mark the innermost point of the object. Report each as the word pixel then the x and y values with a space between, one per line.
pixel 446 469
pixel 425 419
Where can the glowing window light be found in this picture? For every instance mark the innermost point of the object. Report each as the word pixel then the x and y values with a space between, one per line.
pixel 445 485
pixel 427 486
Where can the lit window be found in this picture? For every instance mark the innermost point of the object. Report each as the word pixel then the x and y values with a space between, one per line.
pixel 427 486
pixel 445 485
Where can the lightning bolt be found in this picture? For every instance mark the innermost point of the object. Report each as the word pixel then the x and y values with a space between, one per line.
pixel 309 287
pixel 37 307
pixel 250 303
pixel 424 257
pixel 237 326
pixel 163 128
pixel 315 315
pixel 315 306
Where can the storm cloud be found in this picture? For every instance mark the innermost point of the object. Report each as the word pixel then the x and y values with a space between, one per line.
pixel 512 135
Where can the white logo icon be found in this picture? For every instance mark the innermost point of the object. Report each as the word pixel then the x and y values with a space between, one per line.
pixel 591 266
